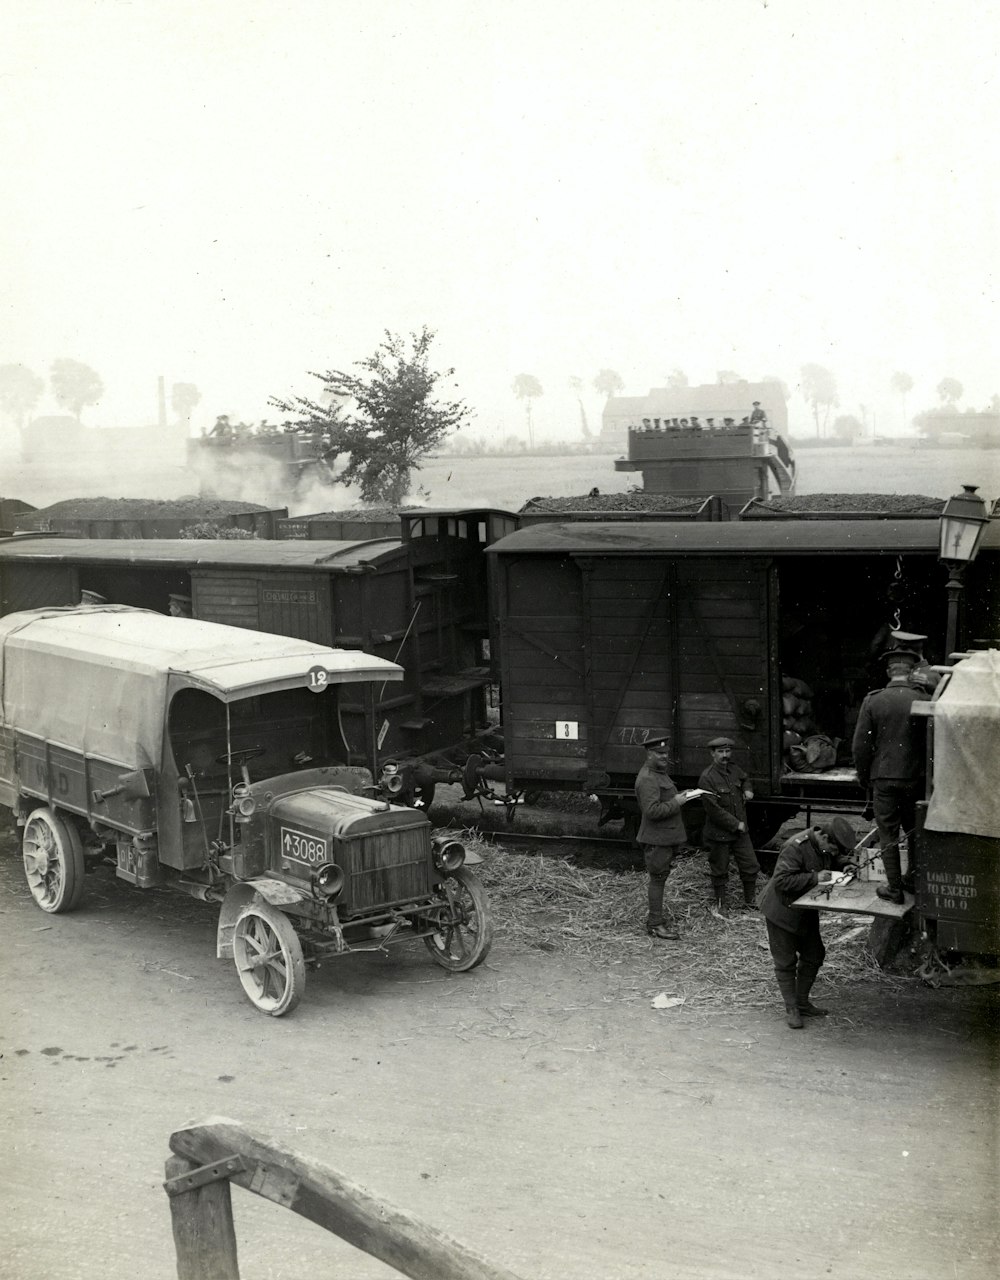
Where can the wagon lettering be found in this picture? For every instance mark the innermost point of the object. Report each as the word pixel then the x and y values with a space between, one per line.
pixel 272 595
pixel 55 779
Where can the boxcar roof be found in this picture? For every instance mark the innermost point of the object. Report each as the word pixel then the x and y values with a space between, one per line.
pixel 189 553
pixel 765 537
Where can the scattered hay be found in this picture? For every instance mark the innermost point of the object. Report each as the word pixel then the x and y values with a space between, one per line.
pixel 551 904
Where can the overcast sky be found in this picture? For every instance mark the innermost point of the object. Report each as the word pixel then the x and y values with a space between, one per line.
pixel 234 192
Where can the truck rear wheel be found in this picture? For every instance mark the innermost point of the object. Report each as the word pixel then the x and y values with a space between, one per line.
pixel 53 861
pixel 466 931
pixel 269 960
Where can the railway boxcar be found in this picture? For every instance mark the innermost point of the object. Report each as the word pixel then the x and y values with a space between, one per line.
pixel 419 599
pixel 612 633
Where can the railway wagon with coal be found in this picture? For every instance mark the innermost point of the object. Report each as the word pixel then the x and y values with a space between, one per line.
pixel 613 633
pixel 419 600
pixel 210 760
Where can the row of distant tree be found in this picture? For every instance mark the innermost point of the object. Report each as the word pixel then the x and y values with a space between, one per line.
pixel 75 386
pixel 818 386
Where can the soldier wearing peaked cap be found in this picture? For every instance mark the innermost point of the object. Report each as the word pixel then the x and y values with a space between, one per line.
pixel 793 933
pixel 725 835
pixel 179 606
pixel 890 757
pixel 661 831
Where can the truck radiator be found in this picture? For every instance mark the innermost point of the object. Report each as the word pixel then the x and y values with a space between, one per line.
pixel 385 867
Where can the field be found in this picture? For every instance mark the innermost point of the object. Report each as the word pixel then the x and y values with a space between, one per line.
pixel 508 482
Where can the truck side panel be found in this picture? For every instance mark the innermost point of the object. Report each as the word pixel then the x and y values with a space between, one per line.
pixel 71 780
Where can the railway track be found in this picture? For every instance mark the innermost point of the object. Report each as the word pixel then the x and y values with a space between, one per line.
pixel 540 840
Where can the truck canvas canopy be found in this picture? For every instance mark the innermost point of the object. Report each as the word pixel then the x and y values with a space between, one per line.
pixel 99 678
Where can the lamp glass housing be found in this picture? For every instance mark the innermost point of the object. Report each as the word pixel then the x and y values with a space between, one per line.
pixel 962 523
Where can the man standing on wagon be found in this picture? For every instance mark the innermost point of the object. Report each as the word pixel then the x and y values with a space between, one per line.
pixel 661 830
pixel 725 835
pixel 890 756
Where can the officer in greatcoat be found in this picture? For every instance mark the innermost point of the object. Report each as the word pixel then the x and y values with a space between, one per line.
pixel 890 756
pixel 661 830
pixel 810 858
pixel 725 835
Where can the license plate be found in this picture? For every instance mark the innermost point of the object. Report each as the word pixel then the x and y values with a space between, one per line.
pixel 299 846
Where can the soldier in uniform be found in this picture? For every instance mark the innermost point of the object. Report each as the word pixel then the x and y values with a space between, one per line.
pixel 793 935
pixel 727 790
pixel 661 830
pixel 890 757
pixel 178 606
pixel 758 414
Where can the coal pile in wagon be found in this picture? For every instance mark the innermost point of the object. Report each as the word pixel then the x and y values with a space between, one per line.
pixel 357 515
pixel 631 500
pixel 144 509
pixel 888 505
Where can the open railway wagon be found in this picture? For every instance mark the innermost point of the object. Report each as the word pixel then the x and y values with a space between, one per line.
pixel 210 760
pixel 148 517
pixel 612 633
pixel 419 600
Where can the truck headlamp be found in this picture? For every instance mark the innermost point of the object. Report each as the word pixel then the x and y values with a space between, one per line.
pixel 448 854
pixel 244 805
pixel 329 880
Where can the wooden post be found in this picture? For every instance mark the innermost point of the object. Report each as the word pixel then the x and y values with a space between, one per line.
pixel 202 1220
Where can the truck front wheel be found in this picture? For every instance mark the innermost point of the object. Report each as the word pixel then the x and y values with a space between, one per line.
pixel 465 932
pixel 269 959
pixel 53 861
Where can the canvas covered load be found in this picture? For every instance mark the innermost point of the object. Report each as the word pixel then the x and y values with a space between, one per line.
pixel 97 679
pixel 966 711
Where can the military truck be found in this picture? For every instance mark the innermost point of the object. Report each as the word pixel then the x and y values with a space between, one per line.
pixel 210 759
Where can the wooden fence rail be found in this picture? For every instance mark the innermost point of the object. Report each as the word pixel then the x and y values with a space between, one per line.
pixel 210 1156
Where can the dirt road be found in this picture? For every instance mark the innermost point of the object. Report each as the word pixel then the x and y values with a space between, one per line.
pixel 538 1109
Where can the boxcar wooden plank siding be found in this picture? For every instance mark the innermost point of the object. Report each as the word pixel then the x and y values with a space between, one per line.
pixel 666 646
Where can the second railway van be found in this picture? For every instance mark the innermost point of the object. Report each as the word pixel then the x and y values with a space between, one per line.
pixel 418 599
pixel 610 635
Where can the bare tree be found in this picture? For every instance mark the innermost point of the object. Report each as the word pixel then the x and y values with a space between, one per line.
pixel 527 388
pixel 75 385
pixel 677 379
pixel 819 389
pixel 902 384
pixel 20 391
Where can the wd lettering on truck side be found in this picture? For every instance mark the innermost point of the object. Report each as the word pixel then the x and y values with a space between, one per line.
pixel 210 759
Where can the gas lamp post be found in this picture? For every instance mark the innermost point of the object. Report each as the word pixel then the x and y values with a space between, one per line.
pixel 962 523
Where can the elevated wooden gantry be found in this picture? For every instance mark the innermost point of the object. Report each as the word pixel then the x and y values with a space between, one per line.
pixel 211 1155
